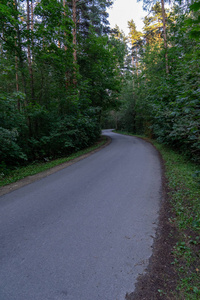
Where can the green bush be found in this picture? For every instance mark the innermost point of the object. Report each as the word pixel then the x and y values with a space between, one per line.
pixel 10 152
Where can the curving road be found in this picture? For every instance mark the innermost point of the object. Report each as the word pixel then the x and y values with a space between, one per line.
pixel 85 232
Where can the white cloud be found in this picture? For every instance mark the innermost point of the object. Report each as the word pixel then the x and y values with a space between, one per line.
pixel 125 10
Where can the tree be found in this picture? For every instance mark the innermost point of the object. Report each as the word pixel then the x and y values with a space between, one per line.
pixel 166 105
pixel 99 66
pixel 58 71
pixel 135 40
pixel 146 5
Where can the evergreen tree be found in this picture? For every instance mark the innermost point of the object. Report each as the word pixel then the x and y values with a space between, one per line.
pixel 135 40
pixel 58 71
pixel 166 105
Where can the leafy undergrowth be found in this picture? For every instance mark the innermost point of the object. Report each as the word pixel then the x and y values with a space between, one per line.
pixel 183 180
pixel 35 168
pixel 184 187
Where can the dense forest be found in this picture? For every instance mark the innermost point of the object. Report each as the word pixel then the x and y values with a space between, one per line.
pixel 59 70
pixel 64 74
pixel 162 99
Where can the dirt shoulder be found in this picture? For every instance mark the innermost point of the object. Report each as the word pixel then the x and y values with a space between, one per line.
pixel 160 279
pixel 29 179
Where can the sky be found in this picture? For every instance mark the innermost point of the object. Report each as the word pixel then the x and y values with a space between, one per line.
pixel 123 11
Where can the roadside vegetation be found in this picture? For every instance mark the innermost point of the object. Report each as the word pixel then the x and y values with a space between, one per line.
pixel 35 168
pixel 64 75
pixel 60 68
pixel 162 98
pixel 183 178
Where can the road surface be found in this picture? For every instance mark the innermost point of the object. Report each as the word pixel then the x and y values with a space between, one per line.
pixel 85 232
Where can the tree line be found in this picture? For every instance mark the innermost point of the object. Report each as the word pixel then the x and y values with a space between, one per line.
pixel 162 98
pixel 59 70
pixel 64 74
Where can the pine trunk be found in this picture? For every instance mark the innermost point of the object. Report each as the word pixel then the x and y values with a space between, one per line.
pixel 74 28
pixel 32 26
pixel 1 47
pixel 64 3
pixel 74 17
pixel 17 77
pixel 19 52
pixel 29 53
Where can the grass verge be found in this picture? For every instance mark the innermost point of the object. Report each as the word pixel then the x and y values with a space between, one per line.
pixel 36 168
pixel 184 196
pixel 183 181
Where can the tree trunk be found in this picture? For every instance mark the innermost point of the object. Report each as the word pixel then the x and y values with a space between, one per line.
pixel 136 61
pixel 32 27
pixel 1 46
pixel 165 36
pixel 74 28
pixel 64 3
pixel 17 77
pixel 16 67
pixel 67 76
pixel 32 12
pixel 19 52
pixel 21 64
pixel 29 53
pixel 74 17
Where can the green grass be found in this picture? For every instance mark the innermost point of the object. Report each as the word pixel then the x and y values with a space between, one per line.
pixel 183 179
pixel 36 168
pixel 185 199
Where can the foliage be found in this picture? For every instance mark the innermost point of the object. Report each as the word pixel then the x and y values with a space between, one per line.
pixel 98 65
pixel 184 195
pixel 167 105
pixel 59 70
pixel 21 172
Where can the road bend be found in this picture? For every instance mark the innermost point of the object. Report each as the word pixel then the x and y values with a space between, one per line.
pixel 85 232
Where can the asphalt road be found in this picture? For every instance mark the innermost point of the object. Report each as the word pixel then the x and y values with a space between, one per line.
pixel 85 232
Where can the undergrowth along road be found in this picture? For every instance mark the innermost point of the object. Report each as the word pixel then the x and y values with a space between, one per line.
pixel 184 193
pixel 12 176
